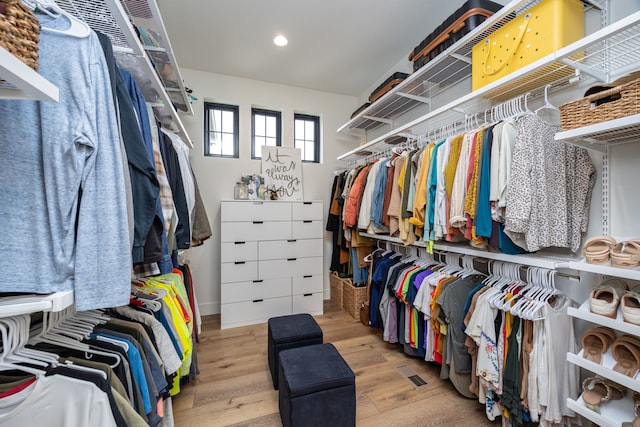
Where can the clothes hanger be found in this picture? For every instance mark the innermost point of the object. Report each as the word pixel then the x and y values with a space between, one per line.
pixel 18 327
pixel 13 343
pixel 547 105
pixel 77 27
pixel 6 365
pixel 122 344
pixel 45 335
pixel 77 367
pixel 501 299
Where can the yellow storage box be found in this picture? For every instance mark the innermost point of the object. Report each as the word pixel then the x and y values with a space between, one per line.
pixel 533 34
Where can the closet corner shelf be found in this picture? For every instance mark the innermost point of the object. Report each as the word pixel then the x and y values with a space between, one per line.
pixel 605 270
pixel 602 56
pixel 58 301
pixel 148 20
pixel 612 413
pixel 599 136
pixel 604 370
pixel 542 260
pixel 584 313
pixel 22 82
pixel 111 18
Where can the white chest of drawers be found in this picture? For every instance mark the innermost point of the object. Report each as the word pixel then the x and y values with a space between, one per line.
pixel 271 260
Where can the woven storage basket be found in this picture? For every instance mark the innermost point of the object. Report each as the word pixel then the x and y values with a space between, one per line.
pixel 335 281
pixel 614 103
pixel 352 298
pixel 19 31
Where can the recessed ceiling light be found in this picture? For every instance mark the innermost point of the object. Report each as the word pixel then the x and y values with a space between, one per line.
pixel 280 40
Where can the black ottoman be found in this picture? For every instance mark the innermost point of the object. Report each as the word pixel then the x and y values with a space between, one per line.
pixel 317 388
pixel 290 331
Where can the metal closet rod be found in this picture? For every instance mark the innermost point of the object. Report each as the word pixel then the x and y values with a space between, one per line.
pixel 498 112
pixel 441 256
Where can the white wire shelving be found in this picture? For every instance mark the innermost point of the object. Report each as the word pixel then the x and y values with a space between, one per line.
pixel 602 56
pixel 612 413
pixel 599 136
pixel 115 19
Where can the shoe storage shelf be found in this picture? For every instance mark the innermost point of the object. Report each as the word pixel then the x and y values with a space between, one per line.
pixel 613 412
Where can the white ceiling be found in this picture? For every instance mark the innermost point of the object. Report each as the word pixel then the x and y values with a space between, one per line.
pixel 340 46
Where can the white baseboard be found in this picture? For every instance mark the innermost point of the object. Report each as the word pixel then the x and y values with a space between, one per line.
pixel 208 308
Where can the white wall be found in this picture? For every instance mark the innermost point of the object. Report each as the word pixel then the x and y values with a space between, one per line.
pixel 217 176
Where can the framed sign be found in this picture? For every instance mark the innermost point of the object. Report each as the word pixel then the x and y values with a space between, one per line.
pixel 282 172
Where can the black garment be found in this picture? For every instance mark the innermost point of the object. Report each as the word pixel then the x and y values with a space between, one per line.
pixel 153 243
pixel 99 381
pixel 511 380
pixel 194 371
pixel 107 48
pixel 172 167
pixel 144 182
pixel 333 225
pixel 333 220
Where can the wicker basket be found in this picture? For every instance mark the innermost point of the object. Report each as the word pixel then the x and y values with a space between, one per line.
pixel 614 103
pixel 335 281
pixel 19 31
pixel 352 298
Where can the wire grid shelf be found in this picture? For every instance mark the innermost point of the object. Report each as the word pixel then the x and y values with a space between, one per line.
pixel 602 56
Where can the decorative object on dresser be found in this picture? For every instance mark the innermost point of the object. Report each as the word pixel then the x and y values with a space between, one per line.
pixel 282 171
pixel 271 260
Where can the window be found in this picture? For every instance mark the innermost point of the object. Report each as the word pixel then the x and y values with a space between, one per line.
pixel 307 137
pixel 221 124
pixel 265 130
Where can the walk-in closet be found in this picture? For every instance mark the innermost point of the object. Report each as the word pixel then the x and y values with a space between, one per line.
pixel 297 214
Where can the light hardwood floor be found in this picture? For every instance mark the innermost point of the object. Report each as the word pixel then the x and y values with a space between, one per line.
pixel 234 386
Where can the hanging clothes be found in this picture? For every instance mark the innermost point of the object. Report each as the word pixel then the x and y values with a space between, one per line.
pixel 72 231
pixel 536 211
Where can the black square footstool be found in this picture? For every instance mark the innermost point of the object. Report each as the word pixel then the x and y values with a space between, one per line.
pixel 317 388
pixel 290 331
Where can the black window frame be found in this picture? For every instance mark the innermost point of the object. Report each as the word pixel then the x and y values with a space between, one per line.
pixel 316 148
pixel 235 109
pixel 268 113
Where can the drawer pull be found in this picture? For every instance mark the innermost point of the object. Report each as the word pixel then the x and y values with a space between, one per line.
pixel 258 222
pixel 307 277
pixel 258 203
pixel 239 243
pixel 258 300
pixel 307 221
pixel 258 281
pixel 239 262
pixel 306 295
pixel 307 203
pixel 292 259
pixel 291 240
